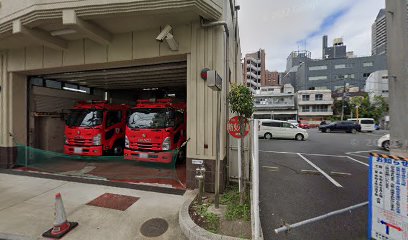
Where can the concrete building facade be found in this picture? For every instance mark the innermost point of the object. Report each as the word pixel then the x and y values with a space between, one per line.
pixel 314 105
pixel 377 85
pixel 379 34
pixel 271 79
pixel 254 72
pixel 397 54
pixel 277 102
pixel 111 46
pixel 332 72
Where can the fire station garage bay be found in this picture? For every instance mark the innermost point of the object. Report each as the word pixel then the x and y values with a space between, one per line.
pixel 57 57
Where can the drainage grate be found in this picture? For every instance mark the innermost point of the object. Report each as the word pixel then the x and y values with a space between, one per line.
pixel 154 227
pixel 113 201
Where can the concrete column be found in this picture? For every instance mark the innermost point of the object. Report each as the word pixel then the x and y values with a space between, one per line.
pixel 397 54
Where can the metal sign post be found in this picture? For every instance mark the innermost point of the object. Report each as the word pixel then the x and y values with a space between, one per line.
pixel 214 81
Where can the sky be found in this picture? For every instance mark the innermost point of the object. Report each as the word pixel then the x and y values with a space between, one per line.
pixel 282 26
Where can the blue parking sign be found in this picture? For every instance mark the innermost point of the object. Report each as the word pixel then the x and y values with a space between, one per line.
pixel 388 203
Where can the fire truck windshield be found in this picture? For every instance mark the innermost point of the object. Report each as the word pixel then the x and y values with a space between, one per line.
pixel 151 118
pixel 85 118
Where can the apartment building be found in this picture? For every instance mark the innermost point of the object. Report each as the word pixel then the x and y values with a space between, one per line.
pixel 314 105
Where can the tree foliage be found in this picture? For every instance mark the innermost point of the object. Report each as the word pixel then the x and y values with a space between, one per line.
pixel 241 101
pixel 375 109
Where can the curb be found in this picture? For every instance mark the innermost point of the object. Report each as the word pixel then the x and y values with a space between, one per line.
pixel 9 236
pixel 192 230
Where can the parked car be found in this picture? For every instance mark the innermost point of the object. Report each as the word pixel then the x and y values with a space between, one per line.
pixel 304 125
pixel 281 129
pixel 377 127
pixel 367 124
pixel 294 122
pixel 342 126
pixel 384 142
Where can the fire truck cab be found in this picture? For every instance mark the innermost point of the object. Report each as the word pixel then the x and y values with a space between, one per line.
pixel 155 129
pixel 95 128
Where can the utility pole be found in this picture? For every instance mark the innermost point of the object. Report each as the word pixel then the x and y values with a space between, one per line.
pixel 397 56
pixel 342 100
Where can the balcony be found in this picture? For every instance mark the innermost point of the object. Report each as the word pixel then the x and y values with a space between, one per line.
pixel 328 113
pixel 315 102
pixel 253 75
pixel 253 83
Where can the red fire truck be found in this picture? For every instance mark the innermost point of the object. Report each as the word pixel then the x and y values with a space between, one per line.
pixel 95 128
pixel 155 128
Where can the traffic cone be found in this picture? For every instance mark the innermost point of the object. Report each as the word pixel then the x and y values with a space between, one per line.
pixel 61 225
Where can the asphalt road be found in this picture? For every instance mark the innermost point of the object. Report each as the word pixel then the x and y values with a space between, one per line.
pixel 300 180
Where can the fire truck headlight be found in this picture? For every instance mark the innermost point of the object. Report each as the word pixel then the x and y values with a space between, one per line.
pixel 97 140
pixel 166 144
pixel 127 144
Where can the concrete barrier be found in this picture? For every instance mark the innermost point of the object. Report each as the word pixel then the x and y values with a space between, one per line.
pixel 192 230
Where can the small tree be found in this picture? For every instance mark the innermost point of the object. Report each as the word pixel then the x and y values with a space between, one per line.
pixel 241 103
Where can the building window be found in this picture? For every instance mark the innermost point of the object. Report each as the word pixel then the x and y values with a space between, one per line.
pixel 366 74
pixel 305 97
pixel 319 97
pixel 315 78
pixel 320 108
pixel 368 64
pixel 305 109
pixel 345 76
pixel 314 68
pixel 345 65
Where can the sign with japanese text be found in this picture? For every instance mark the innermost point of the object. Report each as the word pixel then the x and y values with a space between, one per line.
pixel 388 203
pixel 234 128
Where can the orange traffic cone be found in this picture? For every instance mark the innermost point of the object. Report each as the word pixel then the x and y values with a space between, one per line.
pixel 61 225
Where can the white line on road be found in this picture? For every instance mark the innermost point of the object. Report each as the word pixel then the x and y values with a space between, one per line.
pixel 312 154
pixel 320 170
pixel 355 160
pixel 363 151
pixel 356 155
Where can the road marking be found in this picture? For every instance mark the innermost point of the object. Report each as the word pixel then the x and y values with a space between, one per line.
pixel 310 172
pixel 356 155
pixel 355 160
pixel 272 169
pixel 340 173
pixel 320 170
pixel 312 154
pixel 364 151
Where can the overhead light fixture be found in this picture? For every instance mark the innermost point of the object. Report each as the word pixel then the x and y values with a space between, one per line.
pixel 63 32
pixel 74 89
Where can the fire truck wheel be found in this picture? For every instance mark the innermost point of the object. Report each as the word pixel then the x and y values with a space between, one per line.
pixel 117 149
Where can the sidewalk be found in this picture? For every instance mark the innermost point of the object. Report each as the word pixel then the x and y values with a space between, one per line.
pixel 27 209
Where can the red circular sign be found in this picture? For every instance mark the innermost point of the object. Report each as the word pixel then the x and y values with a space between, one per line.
pixel 234 129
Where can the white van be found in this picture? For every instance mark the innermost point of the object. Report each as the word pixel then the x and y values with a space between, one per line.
pixel 281 129
pixel 367 124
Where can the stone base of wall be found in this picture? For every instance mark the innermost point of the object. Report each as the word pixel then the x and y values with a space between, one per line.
pixel 8 156
pixel 209 175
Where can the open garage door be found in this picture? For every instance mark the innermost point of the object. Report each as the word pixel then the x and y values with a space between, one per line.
pixel 52 94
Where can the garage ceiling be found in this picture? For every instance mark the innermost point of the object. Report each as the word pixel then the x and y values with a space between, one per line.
pixel 159 75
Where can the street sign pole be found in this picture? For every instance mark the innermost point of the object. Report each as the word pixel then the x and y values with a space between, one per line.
pixel 214 82
pixel 217 157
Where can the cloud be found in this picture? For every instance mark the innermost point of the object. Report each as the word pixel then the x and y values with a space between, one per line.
pixel 283 26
